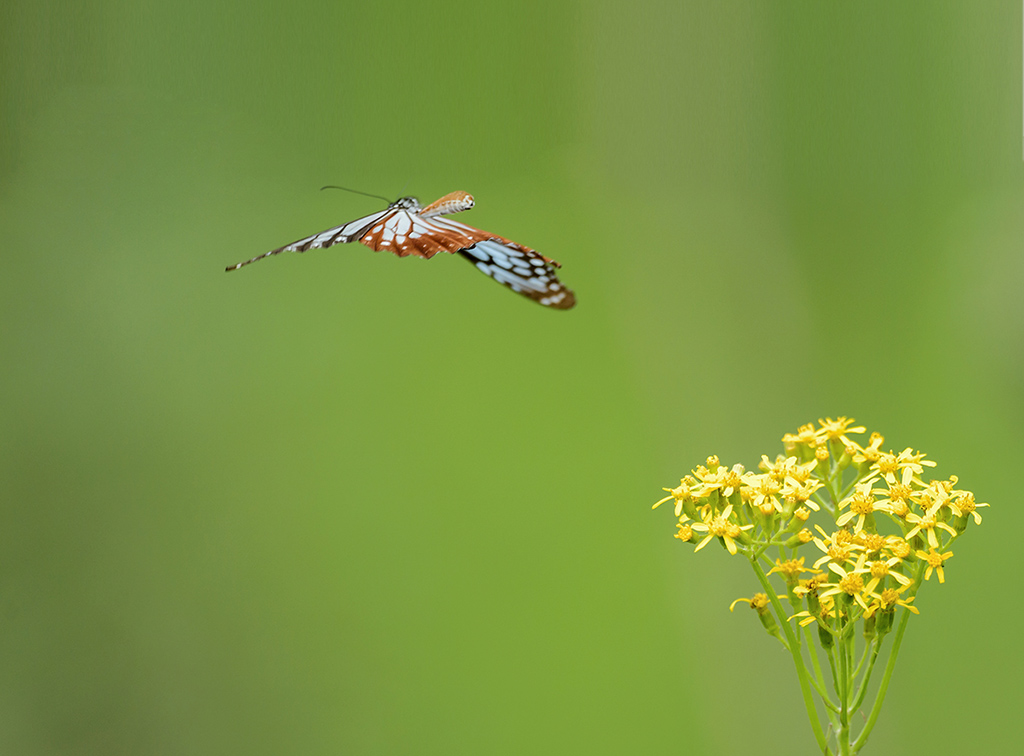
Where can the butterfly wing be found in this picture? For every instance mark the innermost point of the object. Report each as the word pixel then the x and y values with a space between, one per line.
pixel 337 235
pixel 521 269
pixel 405 229
pixel 408 233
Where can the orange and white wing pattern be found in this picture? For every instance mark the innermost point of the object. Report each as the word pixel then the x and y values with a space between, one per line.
pixel 421 232
pixel 407 229
pixel 406 232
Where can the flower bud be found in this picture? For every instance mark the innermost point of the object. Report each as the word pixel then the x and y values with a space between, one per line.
pixel 793 541
pixel 845 458
pixel 884 623
pixel 825 637
pixel 813 604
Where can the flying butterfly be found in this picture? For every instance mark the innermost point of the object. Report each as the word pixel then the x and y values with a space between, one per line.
pixel 407 229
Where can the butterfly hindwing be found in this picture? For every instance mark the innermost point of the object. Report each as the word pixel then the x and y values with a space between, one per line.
pixel 407 233
pixel 521 269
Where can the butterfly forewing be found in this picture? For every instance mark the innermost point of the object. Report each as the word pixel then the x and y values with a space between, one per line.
pixel 337 235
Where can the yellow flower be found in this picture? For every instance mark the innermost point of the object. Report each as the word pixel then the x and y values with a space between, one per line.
pixel 805 436
pixel 790 471
pixel 872 542
pixel 719 478
pixel 933 496
pixel 897 546
pixel 798 518
pixel 777 469
pixel 838 547
pixel 800 472
pixel 806 617
pixel 934 560
pixel 764 491
pixel 898 494
pixel 889 464
pixel 862 503
pixel 890 599
pixel 759 602
pixel 684 532
pixel 850 583
pixel 860 570
pixel 869 453
pixel 810 585
pixel 720 526
pixel 681 494
pixel 791 569
pixel 927 523
pixel 837 429
pixel 880 569
pixel 964 504
pixel 797 492
pixel 828 610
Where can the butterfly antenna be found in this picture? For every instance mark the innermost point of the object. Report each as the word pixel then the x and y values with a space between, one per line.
pixel 355 191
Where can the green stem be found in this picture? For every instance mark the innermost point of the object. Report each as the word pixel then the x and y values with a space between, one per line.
pixel 843 736
pixel 883 687
pixel 812 651
pixel 876 646
pixel 867 647
pixel 819 687
pixel 817 497
pixel 890 665
pixel 846 491
pixel 851 624
pixel 798 661
pixel 830 652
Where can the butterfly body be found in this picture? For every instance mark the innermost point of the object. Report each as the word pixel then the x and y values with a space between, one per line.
pixel 407 229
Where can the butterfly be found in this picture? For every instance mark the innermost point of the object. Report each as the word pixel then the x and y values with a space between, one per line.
pixel 407 229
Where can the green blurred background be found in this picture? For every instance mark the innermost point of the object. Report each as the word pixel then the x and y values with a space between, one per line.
pixel 346 503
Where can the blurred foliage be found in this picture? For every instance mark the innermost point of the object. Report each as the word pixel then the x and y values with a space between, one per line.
pixel 346 503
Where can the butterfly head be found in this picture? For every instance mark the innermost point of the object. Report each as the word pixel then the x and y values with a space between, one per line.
pixel 406 203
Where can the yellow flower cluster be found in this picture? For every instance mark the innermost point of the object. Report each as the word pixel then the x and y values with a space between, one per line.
pixel 889 527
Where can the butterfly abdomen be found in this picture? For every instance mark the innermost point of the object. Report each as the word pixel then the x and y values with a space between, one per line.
pixel 454 202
